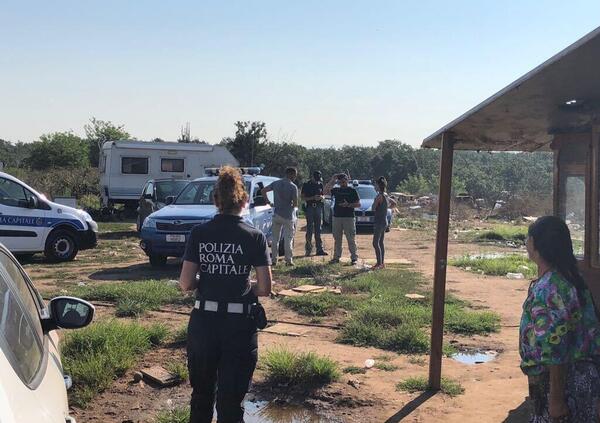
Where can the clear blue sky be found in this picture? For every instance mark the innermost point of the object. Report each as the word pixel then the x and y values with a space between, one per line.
pixel 317 72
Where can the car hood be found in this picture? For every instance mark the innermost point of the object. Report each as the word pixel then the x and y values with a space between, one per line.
pixel 188 212
pixel 61 209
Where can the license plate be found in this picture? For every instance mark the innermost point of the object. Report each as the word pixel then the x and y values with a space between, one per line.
pixel 175 238
pixel 363 219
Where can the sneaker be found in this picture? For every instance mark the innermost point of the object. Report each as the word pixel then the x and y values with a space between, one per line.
pixel 322 253
pixel 334 261
pixel 353 262
pixel 289 263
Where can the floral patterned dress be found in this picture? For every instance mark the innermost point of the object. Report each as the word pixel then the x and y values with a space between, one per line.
pixel 558 328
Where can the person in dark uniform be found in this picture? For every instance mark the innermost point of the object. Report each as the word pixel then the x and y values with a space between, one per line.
pixel 312 194
pixel 222 331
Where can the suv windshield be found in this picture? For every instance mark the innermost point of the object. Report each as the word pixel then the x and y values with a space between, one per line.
pixel 200 193
pixel 366 192
pixel 167 188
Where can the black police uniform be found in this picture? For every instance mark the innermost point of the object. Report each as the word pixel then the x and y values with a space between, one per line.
pixel 222 336
pixel 314 215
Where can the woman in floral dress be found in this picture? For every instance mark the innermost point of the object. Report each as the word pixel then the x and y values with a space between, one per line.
pixel 559 335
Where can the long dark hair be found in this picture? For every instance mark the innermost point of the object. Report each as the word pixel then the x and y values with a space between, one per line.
pixel 552 240
pixel 382 184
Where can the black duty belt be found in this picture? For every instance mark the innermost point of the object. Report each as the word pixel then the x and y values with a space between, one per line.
pixel 223 307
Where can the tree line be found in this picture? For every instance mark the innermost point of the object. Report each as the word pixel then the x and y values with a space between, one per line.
pixel 407 169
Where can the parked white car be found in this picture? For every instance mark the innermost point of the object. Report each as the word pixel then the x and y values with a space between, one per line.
pixel 33 387
pixel 30 223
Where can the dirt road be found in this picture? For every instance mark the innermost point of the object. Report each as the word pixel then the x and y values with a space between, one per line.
pixel 494 391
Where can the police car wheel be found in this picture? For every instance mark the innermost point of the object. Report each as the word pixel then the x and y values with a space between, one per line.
pixel 61 246
pixel 157 261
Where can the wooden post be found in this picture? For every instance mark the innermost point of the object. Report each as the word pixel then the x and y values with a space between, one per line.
pixel 441 257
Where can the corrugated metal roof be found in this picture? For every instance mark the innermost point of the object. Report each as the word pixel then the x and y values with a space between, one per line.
pixel 524 115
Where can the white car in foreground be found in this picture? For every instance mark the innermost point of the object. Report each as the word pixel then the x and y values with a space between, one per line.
pixel 33 387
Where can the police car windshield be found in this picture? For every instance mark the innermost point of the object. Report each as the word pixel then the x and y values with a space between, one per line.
pixel 167 188
pixel 366 192
pixel 200 193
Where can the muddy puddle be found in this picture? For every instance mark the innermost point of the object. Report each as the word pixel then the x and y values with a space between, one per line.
pixel 268 412
pixel 475 357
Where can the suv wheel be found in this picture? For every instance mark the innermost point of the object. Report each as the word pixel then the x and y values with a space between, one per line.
pixel 61 246
pixel 157 260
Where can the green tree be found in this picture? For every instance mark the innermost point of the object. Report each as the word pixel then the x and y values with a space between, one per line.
pixel 100 131
pixel 248 141
pixel 58 150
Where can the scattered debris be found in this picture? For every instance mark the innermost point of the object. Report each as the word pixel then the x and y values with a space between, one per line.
pixel 160 375
pixel 355 383
pixel 138 376
pixel 515 276
pixel 286 330
pixel 369 363
pixel 309 288
pixel 417 297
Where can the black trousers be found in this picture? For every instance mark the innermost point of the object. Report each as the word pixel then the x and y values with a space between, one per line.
pixel 313 225
pixel 222 353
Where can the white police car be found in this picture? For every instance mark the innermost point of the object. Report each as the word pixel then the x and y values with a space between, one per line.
pixel 33 387
pixel 29 223
pixel 164 232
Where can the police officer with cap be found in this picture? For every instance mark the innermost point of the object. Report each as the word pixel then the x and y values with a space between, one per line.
pixel 222 331
pixel 312 194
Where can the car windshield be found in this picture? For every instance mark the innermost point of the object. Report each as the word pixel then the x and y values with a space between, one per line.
pixel 167 188
pixel 366 192
pixel 200 193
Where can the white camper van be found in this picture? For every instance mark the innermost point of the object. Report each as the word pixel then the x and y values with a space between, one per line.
pixel 125 166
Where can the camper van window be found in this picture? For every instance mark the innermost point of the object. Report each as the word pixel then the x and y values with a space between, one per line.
pixel 171 165
pixel 134 165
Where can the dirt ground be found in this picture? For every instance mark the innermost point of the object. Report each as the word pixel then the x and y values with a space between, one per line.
pixel 494 391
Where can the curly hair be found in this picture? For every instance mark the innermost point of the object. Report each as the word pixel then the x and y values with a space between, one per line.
pixel 230 194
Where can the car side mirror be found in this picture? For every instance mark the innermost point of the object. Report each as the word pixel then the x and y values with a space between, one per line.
pixel 148 196
pixel 68 313
pixel 32 202
pixel 169 199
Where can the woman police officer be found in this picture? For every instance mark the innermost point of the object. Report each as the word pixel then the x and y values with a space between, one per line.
pixel 222 332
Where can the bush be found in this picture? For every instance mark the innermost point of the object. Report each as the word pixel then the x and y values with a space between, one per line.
pixel 90 203
pixel 497 266
pixel 304 369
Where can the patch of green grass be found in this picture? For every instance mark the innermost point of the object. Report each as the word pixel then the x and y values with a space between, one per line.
pixel 388 320
pixel 497 266
pixel 179 336
pixel 177 415
pixel 178 369
pixel 386 367
pixel 96 355
pixel 420 384
pixel 104 227
pixel 413 223
pixel 419 361
pixel 283 366
pixel 321 304
pixel 132 298
pixel 458 320
pixel 503 233
pixel 157 333
pixel 354 370
pixel 384 357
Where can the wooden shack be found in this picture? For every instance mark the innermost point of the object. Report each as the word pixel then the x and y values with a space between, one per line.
pixel 556 108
